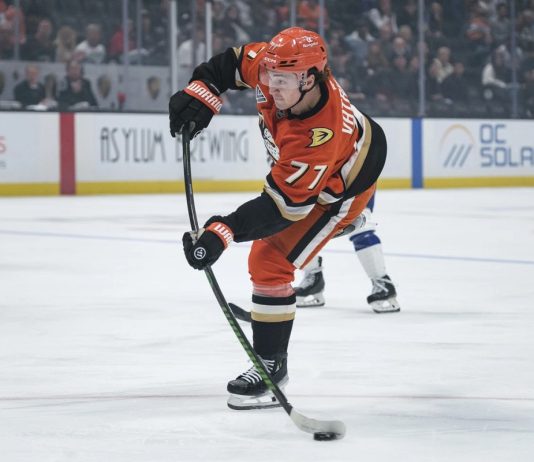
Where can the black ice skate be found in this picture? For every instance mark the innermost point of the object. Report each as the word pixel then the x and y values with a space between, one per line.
pixel 383 298
pixel 248 390
pixel 310 291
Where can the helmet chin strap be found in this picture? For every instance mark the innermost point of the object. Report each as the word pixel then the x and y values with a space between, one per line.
pixel 302 93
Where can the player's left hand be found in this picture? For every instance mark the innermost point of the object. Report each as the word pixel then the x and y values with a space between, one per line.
pixel 204 248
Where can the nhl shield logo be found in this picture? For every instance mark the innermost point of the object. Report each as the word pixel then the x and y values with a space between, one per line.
pixel 260 97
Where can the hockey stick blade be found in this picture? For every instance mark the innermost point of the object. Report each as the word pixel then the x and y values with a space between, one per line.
pixel 240 313
pixel 322 430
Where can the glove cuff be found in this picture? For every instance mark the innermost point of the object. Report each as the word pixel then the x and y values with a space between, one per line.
pixel 199 90
pixel 223 232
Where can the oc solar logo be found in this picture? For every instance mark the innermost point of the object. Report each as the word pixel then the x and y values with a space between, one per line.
pixel 456 146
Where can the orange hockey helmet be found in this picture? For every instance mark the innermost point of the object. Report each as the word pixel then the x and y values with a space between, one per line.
pixel 295 50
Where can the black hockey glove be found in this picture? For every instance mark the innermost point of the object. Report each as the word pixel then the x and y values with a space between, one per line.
pixel 205 250
pixel 197 103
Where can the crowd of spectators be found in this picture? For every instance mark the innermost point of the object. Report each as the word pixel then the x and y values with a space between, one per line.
pixel 470 66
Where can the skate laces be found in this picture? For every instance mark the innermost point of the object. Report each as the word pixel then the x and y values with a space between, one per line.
pixel 309 279
pixel 253 376
pixel 379 284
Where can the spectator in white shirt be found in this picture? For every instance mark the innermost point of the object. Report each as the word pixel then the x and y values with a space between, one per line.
pixel 91 49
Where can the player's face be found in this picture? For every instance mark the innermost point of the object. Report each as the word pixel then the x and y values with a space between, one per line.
pixel 284 98
pixel 283 87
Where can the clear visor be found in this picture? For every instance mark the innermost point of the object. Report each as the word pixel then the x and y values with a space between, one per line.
pixel 280 80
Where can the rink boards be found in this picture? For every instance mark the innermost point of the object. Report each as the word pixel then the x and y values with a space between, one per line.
pixel 106 153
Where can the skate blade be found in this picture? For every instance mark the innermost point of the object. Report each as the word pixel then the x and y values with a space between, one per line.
pixel 265 401
pixel 310 301
pixel 246 403
pixel 386 306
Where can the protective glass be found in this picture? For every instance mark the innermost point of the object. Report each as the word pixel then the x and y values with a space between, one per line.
pixel 280 80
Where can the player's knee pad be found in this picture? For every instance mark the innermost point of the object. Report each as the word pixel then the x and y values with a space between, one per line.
pixel 363 240
pixel 267 266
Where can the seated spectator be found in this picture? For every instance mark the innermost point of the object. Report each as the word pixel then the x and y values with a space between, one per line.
pixel 525 29
pixel 435 26
pixel 40 46
pixel 185 55
pixel 403 82
pixel 399 47
pixel 528 92
pixel 455 87
pixel 266 19
pixel 478 36
pixel 234 26
pixel 406 32
pixel 359 40
pixel 500 26
pixel 75 90
pixel 408 15
pixel 65 44
pixel 308 14
pixel 91 50
pixel 116 44
pixel 50 87
pixel 382 15
pixel 385 38
pixel 7 39
pixel 355 91
pixel 376 60
pixel 433 84
pixel 30 91
pixel 9 14
pixel 154 49
pixel 496 78
pixel 442 63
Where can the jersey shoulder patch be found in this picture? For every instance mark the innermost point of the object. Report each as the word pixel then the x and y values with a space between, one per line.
pixel 260 97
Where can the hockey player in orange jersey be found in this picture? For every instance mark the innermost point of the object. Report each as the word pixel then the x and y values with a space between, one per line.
pixel 326 157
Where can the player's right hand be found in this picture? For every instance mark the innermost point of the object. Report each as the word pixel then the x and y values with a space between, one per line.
pixel 194 106
pixel 204 247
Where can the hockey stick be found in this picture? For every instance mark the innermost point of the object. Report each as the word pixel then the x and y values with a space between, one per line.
pixel 321 429
pixel 240 313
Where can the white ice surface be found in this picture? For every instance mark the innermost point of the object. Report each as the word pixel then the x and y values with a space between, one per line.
pixel 113 349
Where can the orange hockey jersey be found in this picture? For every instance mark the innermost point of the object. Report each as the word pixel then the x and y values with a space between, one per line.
pixel 317 155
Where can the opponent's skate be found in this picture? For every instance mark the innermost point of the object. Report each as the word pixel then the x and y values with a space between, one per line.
pixel 310 291
pixel 248 390
pixel 383 297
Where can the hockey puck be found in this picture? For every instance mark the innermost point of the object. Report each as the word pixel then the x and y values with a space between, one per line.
pixel 324 436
